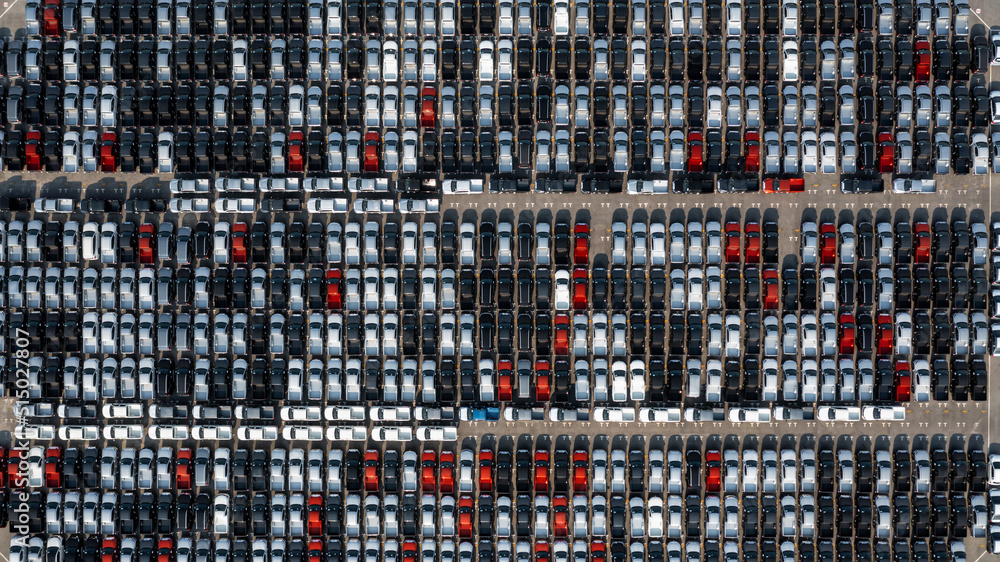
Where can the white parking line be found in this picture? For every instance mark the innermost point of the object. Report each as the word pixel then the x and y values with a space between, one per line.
pixel 12 4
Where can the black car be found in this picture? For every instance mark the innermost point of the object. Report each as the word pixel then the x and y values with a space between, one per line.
pixel 695 59
pixel 866 56
pixel 961 106
pixel 961 153
pixel 904 59
pixel 980 54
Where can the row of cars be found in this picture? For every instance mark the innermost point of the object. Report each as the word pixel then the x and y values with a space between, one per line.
pixel 543 243
pixel 693 291
pixel 375 105
pixel 299 515
pixel 296 550
pixel 899 243
pixel 581 107
pixel 774 154
pixel 370 290
pixel 361 357
pixel 575 107
pixel 806 381
pixel 449 18
pixel 856 149
pixel 896 494
pixel 503 471
pixel 526 244
pixel 391 60
pixel 354 243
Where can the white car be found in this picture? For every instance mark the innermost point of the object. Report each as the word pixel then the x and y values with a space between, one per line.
pixel 904 333
pixel 733 335
pixel 980 154
pixel 714 107
pixel 848 148
pixel 638 60
pixel 71 59
pixel 734 18
pixel 838 413
pixel 790 61
pixel 638 243
pixel 486 62
pixel 71 152
pixel 810 153
pixel 562 290
pixel 165 152
pixel 677 17
pixel 789 18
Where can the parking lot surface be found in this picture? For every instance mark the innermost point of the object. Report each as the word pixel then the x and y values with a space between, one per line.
pixel 450 377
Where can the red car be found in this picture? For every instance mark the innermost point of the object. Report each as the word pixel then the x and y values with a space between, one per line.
pixel 466 511
pixel 885 335
pixel 581 470
pixel 14 475
pixel 922 249
pixel 3 474
pixel 109 549
pixel 333 298
pixel 581 246
pixel 733 235
pixel 485 470
pixel 53 467
pixel 296 152
pixel 560 516
pixel 562 335
pixel 923 68
pixel 846 334
pixel 109 152
pixel 542 471
pixel 428 103
pixel 788 185
pixel 772 289
pixel 694 152
pixel 713 474
pixel 542 390
pixel 581 283
pixel 371 151
pixel 371 470
pixel 410 551
pixel 184 469
pixel 316 550
pixel 827 243
pixel 886 153
pixel 542 551
pixel 316 514
pixel 598 552
pixel 165 550
pixel 447 482
pixel 428 461
pixel 751 245
pixel 50 15
pixel 33 151
pixel 505 380
pixel 240 242
pixel 752 149
pixel 147 243
pixel 902 381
